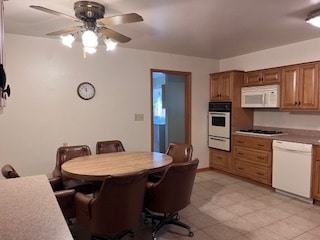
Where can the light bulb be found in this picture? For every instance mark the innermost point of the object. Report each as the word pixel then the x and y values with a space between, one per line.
pixel 67 40
pixel 89 39
pixel 110 45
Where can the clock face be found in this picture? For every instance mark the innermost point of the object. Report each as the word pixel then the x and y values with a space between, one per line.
pixel 86 90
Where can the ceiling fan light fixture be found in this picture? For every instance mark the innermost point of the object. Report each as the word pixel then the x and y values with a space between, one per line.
pixel 314 19
pixel 89 50
pixel 89 39
pixel 67 40
pixel 110 44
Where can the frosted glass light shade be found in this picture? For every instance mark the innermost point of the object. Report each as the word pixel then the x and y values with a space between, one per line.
pixel 89 39
pixel 110 45
pixel 67 40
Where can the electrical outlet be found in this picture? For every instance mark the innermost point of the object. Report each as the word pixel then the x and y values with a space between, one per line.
pixel 139 117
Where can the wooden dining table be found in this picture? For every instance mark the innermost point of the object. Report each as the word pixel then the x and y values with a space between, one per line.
pixel 98 167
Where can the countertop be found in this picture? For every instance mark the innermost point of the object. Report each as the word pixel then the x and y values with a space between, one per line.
pixel 292 135
pixel 29 210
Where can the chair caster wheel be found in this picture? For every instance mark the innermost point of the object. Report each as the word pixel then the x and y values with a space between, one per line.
pixel 191 234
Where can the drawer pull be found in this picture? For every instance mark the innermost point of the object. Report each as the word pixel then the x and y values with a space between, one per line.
pixel 218 157
pixel 241 142
pixel 260 145
pixel 260 158
pixel 261 174
pixel 240 153
pixel 240 168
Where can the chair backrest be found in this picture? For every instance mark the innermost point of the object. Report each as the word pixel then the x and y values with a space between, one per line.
pixel 173 192
pixel 109 146
pixel 119 204
pixel 180 152
pixel 9 172
pixel 67 153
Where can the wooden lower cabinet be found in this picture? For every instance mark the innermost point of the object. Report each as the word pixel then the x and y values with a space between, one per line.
pixel 252 158
pixel 316 173
pixel 220 160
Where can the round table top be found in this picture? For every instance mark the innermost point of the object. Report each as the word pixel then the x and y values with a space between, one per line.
pixel 97 167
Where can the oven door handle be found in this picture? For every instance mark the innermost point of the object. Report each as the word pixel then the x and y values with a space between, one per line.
pixel 218 139
pixel 217 114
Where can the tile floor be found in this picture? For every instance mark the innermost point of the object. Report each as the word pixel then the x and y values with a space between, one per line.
pixel 225 208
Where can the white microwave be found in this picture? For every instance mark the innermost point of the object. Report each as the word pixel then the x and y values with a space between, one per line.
pixel 260 97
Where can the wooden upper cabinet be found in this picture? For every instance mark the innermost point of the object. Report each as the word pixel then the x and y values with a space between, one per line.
pixel 263 77
pixel 299 87
pixel 221 86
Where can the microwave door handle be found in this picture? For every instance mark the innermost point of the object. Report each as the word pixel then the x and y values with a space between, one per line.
pixel 264 99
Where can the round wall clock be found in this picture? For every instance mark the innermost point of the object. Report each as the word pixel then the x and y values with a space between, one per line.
pixel 86 90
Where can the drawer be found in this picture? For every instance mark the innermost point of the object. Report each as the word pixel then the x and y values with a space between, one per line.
pixel 260 174
pixel 257 157
pixel 252 142
pixel 220 160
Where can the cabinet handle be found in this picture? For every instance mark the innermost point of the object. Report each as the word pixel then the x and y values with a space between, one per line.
pixel 240 168
pixel 218 157
pixel 295 103
pixel 299 103
pixel 260 174
pixel 240 153
pixel 260 145
pixel 240 142
pixel 260 158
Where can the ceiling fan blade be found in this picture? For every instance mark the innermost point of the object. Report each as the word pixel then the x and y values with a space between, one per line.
pixel 114 35
pixel 47 10
pixel 121 19
pixel 64 31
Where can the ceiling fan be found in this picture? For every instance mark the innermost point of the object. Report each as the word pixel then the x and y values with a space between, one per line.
pixel 91 14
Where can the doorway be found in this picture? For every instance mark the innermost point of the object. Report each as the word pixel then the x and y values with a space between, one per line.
pixel 171 108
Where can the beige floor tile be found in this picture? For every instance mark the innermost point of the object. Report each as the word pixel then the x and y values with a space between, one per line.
pixel 316 232
pixel 221 214
pixel 259 219
pixel 269 199
pixel 240 208
pixel 221 232
pixel 263 234
pixel 300 222
pixel 285 230
pixel 306 236
pixel 241 225
pixel 276 213
pixel 202 220
pixel 198 235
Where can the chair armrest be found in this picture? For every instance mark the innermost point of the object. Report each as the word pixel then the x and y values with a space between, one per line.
pixel 82 206
pixel 56 183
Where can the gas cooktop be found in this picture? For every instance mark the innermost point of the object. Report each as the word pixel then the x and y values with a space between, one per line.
pixel 261 132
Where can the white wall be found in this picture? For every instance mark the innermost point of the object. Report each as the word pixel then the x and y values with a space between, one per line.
pixel 301 52
pixel 44 110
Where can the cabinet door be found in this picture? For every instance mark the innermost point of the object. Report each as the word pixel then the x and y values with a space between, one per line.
pixel 225 89
pixel 271 76
pixel 308 86
pixel 316 180
pixel 220 160
pixel 214 87
pixel 220 86
pixel 289 85
pixel 253 78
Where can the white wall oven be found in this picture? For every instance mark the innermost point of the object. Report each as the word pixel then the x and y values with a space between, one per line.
pixel 219 125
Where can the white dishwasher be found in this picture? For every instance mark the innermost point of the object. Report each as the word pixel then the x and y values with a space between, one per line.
pixel 291 169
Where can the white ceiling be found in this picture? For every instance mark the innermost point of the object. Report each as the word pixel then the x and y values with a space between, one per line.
pixel 203 28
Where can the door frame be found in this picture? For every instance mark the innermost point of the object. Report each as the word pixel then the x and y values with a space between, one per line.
pixel 187 76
